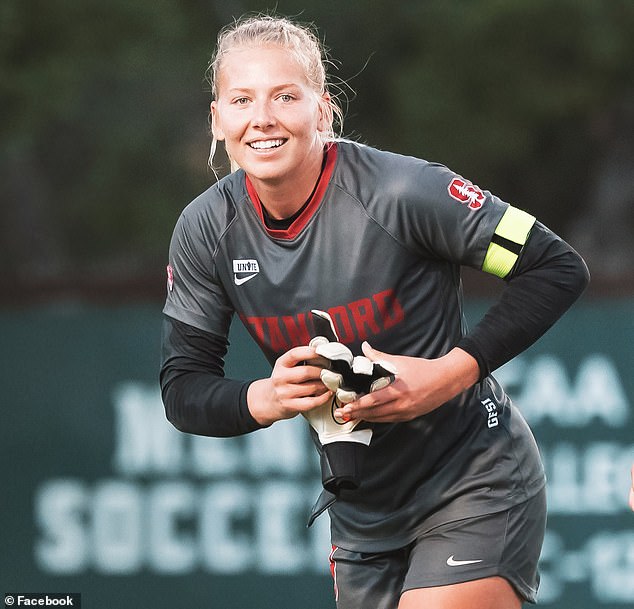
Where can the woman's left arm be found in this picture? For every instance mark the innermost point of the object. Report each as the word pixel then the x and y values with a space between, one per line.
pixel 546 280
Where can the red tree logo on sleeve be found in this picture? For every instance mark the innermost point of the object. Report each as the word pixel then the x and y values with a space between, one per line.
pixel 466 193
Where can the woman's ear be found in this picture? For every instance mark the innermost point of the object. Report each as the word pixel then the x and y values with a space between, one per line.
pixel 216 129
pixel 325 114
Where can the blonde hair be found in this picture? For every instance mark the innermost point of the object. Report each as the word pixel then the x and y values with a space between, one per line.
pixel 304 44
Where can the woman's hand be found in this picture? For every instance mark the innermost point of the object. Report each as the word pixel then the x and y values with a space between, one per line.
pixel 291 389
pixel 421 385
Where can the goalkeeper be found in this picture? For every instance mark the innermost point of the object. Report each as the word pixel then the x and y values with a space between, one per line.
pixel 440 502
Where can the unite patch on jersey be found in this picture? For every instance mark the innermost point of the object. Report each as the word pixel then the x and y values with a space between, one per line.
pixel 244 270
pixel 466 193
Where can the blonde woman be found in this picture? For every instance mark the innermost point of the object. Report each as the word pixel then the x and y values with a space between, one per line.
pixel 449 508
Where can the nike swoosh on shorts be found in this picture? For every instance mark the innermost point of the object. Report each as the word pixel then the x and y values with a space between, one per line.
pixel 452 562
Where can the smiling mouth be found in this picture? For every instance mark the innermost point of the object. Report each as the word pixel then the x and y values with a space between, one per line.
pixel 266 144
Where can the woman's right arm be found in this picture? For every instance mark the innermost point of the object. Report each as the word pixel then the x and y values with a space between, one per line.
pixel 198 399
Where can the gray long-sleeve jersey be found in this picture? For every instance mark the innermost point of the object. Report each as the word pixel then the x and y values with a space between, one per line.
pixel 379 246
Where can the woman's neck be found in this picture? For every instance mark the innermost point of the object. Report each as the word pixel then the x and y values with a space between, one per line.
pixel 286 197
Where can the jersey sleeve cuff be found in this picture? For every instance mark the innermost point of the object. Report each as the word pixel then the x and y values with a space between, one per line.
pixel 247 422
pixel 467 344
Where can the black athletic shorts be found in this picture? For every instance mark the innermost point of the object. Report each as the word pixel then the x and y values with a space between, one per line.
pixel 506 544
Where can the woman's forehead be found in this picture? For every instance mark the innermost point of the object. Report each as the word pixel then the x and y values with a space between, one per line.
pixel 259 53
pixel 259 64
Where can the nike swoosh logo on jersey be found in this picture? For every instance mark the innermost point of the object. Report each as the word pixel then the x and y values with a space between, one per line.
pixel 458 563
pixel 240 280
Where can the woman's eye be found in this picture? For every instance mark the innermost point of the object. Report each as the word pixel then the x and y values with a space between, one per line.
pixel 241 100
pixel 285 97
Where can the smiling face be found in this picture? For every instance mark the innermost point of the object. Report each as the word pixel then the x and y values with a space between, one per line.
pixel 269 116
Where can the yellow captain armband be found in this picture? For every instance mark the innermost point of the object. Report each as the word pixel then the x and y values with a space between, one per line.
pixel 507 242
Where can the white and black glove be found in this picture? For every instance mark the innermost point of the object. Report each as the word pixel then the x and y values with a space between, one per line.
pixel 348 377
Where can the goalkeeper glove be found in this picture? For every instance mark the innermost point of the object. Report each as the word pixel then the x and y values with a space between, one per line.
pixel 348 377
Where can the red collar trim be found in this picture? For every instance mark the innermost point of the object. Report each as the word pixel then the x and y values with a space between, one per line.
pixel 300 222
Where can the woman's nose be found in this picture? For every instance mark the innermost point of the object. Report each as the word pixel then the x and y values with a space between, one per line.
pixel 263 115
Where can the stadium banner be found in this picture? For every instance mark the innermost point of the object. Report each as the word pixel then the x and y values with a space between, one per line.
pixel 103 500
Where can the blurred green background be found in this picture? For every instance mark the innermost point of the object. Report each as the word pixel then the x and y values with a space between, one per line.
pixel 104 139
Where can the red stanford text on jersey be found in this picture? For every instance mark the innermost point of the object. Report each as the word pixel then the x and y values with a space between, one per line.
pixel 355 321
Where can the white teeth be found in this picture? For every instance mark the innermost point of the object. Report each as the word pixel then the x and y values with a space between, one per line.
pixel 264 144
